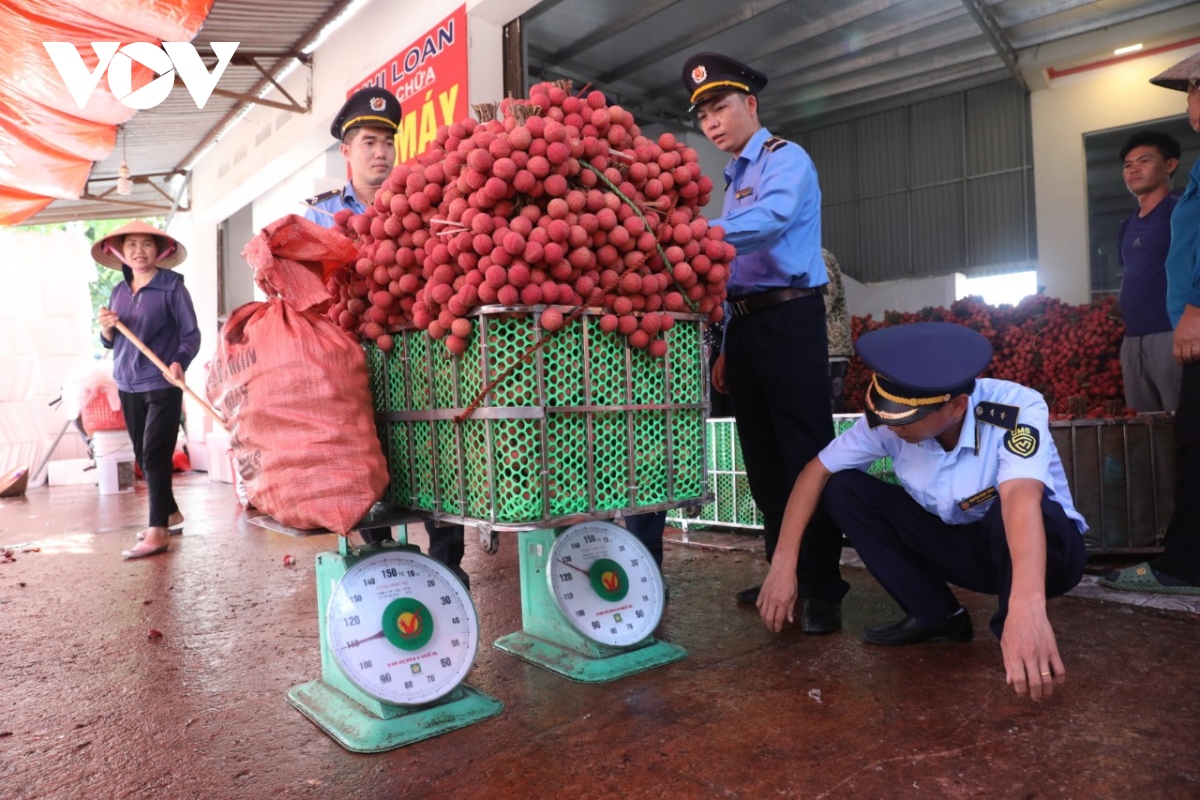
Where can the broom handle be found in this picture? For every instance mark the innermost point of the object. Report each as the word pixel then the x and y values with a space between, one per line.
pixel 148 353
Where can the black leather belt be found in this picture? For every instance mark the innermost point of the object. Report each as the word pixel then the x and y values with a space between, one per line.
pixel 750 303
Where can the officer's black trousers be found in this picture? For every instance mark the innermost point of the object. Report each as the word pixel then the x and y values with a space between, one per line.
pixel 777 369
pixel 447 544
pixel 1181 546
pixel 914 554
pixel 648 529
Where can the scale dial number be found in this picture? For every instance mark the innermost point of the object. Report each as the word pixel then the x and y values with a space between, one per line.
pixel 605 583
pixel 402 628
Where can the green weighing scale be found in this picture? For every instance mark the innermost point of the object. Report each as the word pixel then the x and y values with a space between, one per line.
pixel 399 633
pixel 591 598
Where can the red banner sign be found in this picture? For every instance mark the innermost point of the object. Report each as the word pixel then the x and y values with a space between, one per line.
pixel 430 78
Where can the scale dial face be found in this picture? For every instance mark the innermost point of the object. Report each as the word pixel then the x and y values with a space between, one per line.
pixel 605 583
pixel 402 628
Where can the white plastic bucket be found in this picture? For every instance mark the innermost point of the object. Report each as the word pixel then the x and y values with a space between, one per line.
pixel 112 444
pixel 115 474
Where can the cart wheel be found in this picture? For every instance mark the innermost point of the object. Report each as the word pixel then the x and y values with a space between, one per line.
pixel 489 541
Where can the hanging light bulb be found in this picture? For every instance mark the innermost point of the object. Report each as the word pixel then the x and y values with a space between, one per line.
pixel 124 176
pixel 124 182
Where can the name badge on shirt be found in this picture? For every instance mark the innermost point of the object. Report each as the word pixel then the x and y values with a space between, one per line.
pixel 743 193
pixel 978 499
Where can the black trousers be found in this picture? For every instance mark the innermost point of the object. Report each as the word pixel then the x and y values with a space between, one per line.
pixel 777 368
pixel 1181 546
pixel 447 544
pixel 837 383
pixel 914 554
pixel 152 419
pixel 648 529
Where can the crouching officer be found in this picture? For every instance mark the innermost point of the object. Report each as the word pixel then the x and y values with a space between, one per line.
pixel 366 127
pixel 775 360
pixel 983 501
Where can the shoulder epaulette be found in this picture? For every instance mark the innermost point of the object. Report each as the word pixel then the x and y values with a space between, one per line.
pixel 997 414
pixel 323 196
pixel 774 143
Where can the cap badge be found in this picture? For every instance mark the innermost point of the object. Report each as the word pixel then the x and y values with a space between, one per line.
pixel 699 74
pixel 378 104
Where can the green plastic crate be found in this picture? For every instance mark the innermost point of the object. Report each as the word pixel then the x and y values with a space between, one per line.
pixel 584 427
pixel 733 505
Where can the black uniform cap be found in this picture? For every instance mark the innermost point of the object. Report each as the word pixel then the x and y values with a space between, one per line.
pixel 706 73
pixel 919 368
pixel 377 108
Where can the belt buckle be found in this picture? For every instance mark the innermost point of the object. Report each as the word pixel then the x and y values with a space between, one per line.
pixel 739 308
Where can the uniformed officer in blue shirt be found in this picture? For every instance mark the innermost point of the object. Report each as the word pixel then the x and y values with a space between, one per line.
pixel 366 127
pixel 983 502
pixel 775 361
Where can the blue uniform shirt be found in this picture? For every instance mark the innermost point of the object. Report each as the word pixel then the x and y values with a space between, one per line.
pixel 772 215
pixel 959 486
pixel 333 202
pixel 1183 260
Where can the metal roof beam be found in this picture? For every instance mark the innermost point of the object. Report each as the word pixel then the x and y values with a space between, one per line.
pixel 588 41
pixel 809 57
pixel 883 96
pixel 539 9
pixel 744 12
pixel 995 34
pixel 125 203
pixel 310 35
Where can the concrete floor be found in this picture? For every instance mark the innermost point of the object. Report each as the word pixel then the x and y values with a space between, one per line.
pixel 92 708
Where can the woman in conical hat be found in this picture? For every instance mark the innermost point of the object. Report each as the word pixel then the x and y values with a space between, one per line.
pixel 155 306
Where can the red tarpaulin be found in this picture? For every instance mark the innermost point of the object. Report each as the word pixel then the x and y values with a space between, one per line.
pixel 47 142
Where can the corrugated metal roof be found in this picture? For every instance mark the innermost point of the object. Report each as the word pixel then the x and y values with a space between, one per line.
pixel 159 140
pixel 827 61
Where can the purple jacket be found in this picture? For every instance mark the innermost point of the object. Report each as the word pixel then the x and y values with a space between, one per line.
pixel 161 315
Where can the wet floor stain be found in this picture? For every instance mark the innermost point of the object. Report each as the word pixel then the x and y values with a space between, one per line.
pixel 92 705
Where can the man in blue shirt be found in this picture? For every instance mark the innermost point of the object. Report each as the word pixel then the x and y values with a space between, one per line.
pixel 775 358
pixel 1177 570
pixel 1149 159
pixel 366 127
pixel 983 502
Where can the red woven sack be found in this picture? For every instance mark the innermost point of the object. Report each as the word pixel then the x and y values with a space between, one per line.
pixel 293 387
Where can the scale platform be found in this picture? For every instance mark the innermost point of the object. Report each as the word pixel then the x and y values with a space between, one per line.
pixel 398 635
pixel 590 600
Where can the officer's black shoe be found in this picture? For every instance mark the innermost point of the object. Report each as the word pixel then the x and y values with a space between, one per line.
pixel 375 535
pixel 821 615
pixel 908 631
pixel 748 597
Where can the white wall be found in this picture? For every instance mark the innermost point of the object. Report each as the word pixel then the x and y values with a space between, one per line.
pixel 876 298
pixel 45 336
pixel 1096 100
